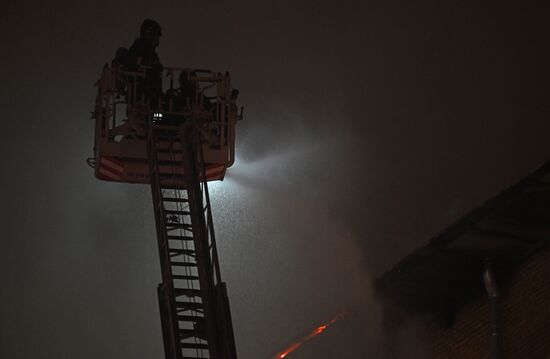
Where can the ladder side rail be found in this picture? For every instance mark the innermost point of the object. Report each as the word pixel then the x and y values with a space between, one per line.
pixel 206 276
pixel 209 220
pixel 224 322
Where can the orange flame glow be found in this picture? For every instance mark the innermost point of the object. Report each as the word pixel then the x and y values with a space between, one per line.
pixel 308 337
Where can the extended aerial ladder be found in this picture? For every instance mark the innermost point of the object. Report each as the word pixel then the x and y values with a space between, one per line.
pixel 176 143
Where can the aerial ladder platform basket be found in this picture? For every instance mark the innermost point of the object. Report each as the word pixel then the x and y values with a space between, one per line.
pixel 175 131
pixel 123 112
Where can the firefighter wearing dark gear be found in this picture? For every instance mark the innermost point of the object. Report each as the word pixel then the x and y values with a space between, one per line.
pixel 179 100
pixel 186 91
pixel 143 53
pixel 121 58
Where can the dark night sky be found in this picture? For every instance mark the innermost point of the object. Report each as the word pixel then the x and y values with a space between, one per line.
pixel 369 126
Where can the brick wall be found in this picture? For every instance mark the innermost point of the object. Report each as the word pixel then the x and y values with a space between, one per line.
pixel 524 319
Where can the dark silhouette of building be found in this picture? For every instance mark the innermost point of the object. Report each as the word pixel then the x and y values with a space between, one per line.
pixel 482 287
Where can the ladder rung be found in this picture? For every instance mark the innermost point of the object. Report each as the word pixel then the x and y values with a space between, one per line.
pixel 175 199
pixel 183 264
pixel 189 305
pixel 179 238
pixel 168 162
pixel 187 292
pixel 171 211
pixel 180 251
pixel 175 226
pixel 168 150
pixel 184 277
pixel 189 333
pixel 189 318
pixel 194 346
pixel 173 138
